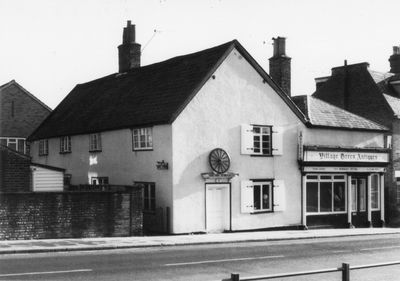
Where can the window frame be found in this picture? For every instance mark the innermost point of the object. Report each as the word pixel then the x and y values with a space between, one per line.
pixel 261 183
pixel 137 143
pixel 15 141
pixel 378 193
pixel 100 180
pixel 332 180
pixel 65 144
pixel 261 148
pixel 43 147
pixel 95 144
pixel 150 198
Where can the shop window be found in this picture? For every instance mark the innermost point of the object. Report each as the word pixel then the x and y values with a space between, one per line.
pixel 142 139
pixel 325 193
pixel 375 192
pixel 354 195
pixel 261 140
pixel 339 202
pixel 312 197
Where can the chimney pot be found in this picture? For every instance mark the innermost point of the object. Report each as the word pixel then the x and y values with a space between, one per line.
pixel 395 60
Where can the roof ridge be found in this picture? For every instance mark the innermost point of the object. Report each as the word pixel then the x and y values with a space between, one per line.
pixel 155 64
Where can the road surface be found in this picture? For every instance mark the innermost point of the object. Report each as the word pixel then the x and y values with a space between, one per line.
pixel 212 262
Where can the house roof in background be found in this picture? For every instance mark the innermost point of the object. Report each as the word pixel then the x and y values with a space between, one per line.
pixel 323 114
pixel 13 82
pixel 149 95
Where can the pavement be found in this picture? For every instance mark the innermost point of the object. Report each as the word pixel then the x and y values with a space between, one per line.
pixel 107 243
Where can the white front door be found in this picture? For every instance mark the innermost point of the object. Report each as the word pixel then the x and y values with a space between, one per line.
pixel 217 207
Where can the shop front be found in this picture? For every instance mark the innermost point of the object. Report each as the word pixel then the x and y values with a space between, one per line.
pixel 343 187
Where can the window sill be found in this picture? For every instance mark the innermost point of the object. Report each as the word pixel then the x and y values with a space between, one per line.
pixel 262 212
pixel 261 155
pixel 42 155
pixel 326 213
pixel 95 151
pixel 65 152
pixel 145 149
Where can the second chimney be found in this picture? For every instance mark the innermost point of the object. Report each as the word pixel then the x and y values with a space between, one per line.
pixel 129 50
pixel 395 60
pixel 279 65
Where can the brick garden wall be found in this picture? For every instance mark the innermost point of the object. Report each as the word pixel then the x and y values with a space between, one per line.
pixel 70 215
pixel 14 171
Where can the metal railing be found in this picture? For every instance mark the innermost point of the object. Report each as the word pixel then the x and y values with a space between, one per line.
pixel 345 269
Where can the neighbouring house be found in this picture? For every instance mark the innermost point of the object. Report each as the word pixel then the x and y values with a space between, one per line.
pixel 20 114
pixel 215 144
pixel 375 96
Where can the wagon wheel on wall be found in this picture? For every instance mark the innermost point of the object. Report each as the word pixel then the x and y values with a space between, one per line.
pixel 219 160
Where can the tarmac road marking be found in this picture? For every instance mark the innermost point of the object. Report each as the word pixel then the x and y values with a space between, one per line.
pixel 45 272
pixel 379 248
pixel 223 260
pixel 341 251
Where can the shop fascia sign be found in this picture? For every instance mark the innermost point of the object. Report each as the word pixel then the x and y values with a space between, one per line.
pixel 345 156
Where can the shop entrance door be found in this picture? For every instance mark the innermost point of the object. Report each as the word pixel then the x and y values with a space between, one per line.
pixel 359 201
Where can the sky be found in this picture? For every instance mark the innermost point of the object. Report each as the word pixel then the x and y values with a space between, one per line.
pixel 49 46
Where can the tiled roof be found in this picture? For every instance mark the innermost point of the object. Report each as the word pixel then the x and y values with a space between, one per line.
pixel 323 114
pixel 359 90
pixel 149 95
pixel 394 104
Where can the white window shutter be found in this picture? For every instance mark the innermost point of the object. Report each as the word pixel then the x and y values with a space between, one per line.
pixel 279 195
pixel 247 197
pixel 277 140
pixel 247 141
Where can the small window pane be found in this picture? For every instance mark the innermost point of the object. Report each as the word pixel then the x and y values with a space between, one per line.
pixel 338 177
pixel 325 196
pixel 363 195
pixel 257 199
pixel 374 191
pixel 326 177
pixel 12 145
pixel 312 197
pixel 256 130
pixel 266 130
pixel 354 195
pixel 266 196
pixel 339 202
pixel 21 146
pixel 312 177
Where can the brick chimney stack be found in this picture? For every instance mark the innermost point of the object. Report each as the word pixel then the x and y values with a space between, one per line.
pixel 129 50
pixel 395 60
pixel 279 65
